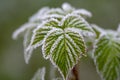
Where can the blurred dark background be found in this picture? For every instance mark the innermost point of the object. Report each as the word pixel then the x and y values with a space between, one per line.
pixel 13 13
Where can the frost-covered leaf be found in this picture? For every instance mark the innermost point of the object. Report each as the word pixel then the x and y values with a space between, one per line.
pixel 47 25
pixel 26 30
pixel 36 41
pixel 63 41
pixel 107 57
pixel 51 23
pixel 54 34
pixel 38 36
pixel 76 21
pixel 26 42
pixel 42 30
pixel 64 48
pixel 40 74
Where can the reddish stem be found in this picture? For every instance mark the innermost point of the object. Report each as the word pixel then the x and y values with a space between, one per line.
pixel 74 75
pixel 75 72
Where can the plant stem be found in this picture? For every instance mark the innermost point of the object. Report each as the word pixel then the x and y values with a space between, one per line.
pixel 75 72
pixel 74 75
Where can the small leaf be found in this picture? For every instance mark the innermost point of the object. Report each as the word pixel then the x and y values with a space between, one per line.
pixel 107 57
pixel 40 74
pixel 26 42
pixel 36 41
pixel 40 32
pixel 64 49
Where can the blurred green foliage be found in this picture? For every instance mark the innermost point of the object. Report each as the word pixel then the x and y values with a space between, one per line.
pixel 13 13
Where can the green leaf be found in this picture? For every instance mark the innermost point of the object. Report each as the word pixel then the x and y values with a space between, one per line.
pixel 52 23
pixel 107 57
pixel 63 42
pixel 70 21
pixel 40 74
pixel 76 21
pixel 40 32
pixel 64 48
pixel 39 35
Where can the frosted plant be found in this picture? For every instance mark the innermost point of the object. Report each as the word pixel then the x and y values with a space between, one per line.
pixel 65 37
pixel 63 41
pixel 107 56
pixel 41 17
